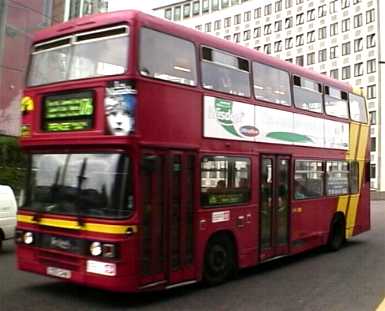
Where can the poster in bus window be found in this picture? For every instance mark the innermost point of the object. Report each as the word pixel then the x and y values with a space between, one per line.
pixel 119 107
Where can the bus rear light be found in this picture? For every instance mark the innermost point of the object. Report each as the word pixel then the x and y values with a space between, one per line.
pixel 103 268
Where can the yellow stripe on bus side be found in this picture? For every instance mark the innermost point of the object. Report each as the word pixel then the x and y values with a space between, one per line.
pixel 71 224
pixel 360 156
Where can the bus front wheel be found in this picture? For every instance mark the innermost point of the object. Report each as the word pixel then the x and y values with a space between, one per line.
pixel 219 261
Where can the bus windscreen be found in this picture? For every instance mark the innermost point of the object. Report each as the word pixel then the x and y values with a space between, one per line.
pixel 90 185
pixel 85 55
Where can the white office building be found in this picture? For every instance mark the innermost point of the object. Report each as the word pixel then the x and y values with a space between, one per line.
pixel 339 38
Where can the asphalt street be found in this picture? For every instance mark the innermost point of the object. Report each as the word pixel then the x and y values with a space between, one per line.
pixel 352 279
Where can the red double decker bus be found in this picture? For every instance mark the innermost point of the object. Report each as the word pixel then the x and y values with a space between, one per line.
pixel 161 156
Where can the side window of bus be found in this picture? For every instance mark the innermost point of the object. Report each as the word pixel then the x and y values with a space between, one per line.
pixel 307 94
pixel 337 178
pixel 336 102
pixel 308 179
pixel 167 58
pixel 353 176
pixel 225 72
pixel 357 108
pixel 271 84
pixel 225 181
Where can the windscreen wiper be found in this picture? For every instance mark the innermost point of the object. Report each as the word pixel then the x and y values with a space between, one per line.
pixel 81 178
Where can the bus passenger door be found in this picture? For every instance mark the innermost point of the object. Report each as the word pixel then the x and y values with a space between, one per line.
pixel 167 202
pixel 274 206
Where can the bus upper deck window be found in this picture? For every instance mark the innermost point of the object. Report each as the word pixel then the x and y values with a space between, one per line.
pixel 174 60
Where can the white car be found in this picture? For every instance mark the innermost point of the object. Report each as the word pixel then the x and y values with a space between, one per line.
pixel 8 207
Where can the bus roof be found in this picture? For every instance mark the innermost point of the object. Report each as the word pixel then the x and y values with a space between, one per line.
pixel 99 20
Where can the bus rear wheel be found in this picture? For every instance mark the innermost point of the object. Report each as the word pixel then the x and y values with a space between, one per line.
pixel 219 262
pixel 337 235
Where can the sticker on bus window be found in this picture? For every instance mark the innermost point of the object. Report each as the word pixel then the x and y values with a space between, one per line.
pixel 119 106
pixel 220 216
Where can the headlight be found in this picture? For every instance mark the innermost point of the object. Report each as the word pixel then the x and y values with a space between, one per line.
pixel 96 249
pixel 28 238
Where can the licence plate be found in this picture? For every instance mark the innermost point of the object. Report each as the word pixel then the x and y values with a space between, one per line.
pixel 58 272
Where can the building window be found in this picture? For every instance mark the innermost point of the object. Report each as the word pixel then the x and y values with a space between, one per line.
pixel 214 5
pixel 311 36
pixel 288 4
pixel 208 27
pixel 288 43
pixel 246 35
pixel 187 10
pixel 373 117
pixel 345 25
pixel 237 37
pixel 310 58
pixel 357 20
pixel 371 66
pixel 234 2
pixel 333 29
pixel 257 13
pixel 268 9
pixel 278 46
pixel 370 41
pixel 288 22
pixel 247 16
pixel 227 22
pixel 227 37
pixel 299 1
pixel 299 40
pixel 373 144
pixel 225 4
pixel 168 14
pixel 257 32
pixel 334 73
pixel 267 29
pixel 278 6
pixel 196 8
pixel 357 1
pixel 333 6
pixel 345 48
pixel 205 6
pixel 370 16
pixel 345 72
pixel 311 15
pixel 322 55
pixel 237 19
pixel 345 4
pixel 371 91
pixel 358 45
pixel 322 10
pixel 300 19
pixel 198 27
pixel 358 69
pixel 217 24
pixel 333 52
pixel 322 33
pixel 289 60
pixel 372 170
pixel 267 48
pixel 278 26
pixel 299 60
pixel 177 13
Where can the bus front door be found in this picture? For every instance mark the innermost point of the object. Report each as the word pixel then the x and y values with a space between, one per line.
pixel 274 206
pixel 167 202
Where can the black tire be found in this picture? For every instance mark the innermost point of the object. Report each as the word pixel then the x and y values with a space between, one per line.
pixel 219 261
pixel 337 235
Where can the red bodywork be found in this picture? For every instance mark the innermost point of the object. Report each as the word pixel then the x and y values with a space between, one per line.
pixel 170 121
